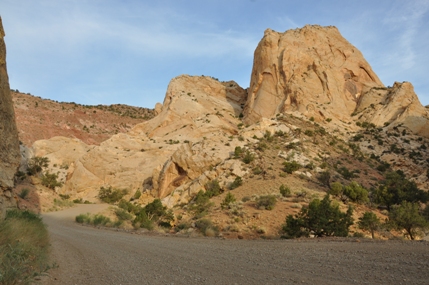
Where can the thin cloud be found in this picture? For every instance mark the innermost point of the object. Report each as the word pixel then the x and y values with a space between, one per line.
pixel 406 20
pixel 287 22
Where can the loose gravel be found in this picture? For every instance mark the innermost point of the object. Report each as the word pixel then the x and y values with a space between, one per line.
pixel 87 255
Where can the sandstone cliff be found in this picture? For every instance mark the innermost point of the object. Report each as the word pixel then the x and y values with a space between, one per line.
pixel 313 70
pixel 9 143
pixel 394 105
pixel 181 142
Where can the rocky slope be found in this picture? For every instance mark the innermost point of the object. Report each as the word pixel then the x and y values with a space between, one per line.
pixel 39 119
pixel 313 100
pixel 9 144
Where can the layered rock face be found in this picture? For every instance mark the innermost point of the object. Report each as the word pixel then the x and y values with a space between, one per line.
pixel 313 70
pixel 9 143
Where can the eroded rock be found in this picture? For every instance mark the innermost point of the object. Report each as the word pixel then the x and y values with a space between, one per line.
pixel 9 144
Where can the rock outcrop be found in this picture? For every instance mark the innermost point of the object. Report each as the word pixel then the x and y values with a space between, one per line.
pixel 9 143
pixel 186 137
pixel 394 105
pixel 313 70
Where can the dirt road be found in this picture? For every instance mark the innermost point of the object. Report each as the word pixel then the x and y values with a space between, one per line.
pixel 87 255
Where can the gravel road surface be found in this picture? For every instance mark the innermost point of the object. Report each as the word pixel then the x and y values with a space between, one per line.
pixel 87 255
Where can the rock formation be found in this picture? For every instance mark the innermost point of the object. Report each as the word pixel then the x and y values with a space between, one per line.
pixel 186 137
pixel 9 143
pixel 313 70
pixel 319 74
pixel 310 72
pixel 395 105
pixel 40 119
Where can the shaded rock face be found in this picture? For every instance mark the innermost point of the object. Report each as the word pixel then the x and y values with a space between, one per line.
pixel 313 70
pixel 9 143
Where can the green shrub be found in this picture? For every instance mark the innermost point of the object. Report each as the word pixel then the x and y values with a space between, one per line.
pixel 143 221
pixel 80 201
pixel 36 165
pixel 266 202
pixel 257 170
pixel 262 146
pixel 229 198
pixel 201 204
pixel 383 166
pixel 290 167
pixel 268 136
pixel 206 227
pixel 110 195
pixel 50 180
pixel 182 226
pixel 320 218
pixel 238 151
pixel 129 207
pixel 336 189
pixel 358 235
pixel 356 193
pixel 155 209
pixel 347 174
pixel 324 177
pixel 24 193
pixel 153 214
pixel 247 198
pixel 83 219
pixel 285 191
pixel 395 189
pixel 63 203
pixel 407 217
pixel 212 188
pixel 64 196
pixel 100 220
pixel 20 176
pixel 123 215
pixel 248 157
pixel 369 222
pixel 236 183
pixel 137 195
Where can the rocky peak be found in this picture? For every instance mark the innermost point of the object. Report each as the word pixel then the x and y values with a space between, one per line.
pixel 313 70
pixel 9 143
pixel 394 105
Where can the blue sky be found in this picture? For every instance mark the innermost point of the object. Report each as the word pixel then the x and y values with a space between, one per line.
pixel 127 51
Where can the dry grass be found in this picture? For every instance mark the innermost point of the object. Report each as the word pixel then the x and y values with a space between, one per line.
pixel 24 244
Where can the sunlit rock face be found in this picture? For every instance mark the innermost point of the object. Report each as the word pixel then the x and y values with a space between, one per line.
pixel 313 70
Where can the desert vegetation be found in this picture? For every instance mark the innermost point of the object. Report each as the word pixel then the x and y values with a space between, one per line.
pixel 24 248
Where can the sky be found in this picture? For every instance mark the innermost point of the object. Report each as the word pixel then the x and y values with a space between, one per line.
pixel 127 51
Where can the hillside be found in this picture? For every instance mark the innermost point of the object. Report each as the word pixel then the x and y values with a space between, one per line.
pixel 315 114
pixel 39 119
